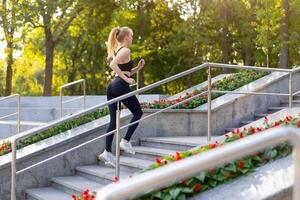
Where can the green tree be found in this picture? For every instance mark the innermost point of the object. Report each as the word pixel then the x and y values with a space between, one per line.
pixel 10 21
pixel 54 17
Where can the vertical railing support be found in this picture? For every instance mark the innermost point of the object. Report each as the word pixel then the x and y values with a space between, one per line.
pixel 118 136
pixel 137 82
pixel 290 91
pixel 296 162
pixel 84 95
pixel 14 154
pixel 68 85
pixel 209 105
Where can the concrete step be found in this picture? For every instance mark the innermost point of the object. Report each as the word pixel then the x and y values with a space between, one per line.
pixel 285 103
pixel 243 123
pixel 134 164
pixel 46 193
pixel 275 109
pixel 75 184
pixel 227 130
pixel 100 174
pixel 173 143
pixel 296 97
pixel 260 115
pixel 149 153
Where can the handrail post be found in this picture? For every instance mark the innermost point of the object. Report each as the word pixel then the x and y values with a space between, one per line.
pixel 290 92
pixel 19 114
pixel 68 85
pixel 137 82
pixel 296 162
pixel 61 102
pixel 14 156
pixel 209 105
pixel 13 169
pixel 84 94
pixel 118 140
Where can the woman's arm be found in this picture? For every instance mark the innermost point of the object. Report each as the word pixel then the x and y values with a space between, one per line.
pixel 139 67
pixel 122 55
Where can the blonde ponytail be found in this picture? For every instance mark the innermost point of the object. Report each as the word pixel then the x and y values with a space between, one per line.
pixel 115 37
pixel 112 42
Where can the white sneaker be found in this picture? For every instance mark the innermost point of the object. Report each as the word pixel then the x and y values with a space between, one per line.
pixel 126 146
pixel 108 158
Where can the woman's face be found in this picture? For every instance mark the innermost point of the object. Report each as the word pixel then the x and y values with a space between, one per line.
pixel 129 38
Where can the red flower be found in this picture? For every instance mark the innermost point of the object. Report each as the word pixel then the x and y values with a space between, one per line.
pixel 226 135
pixel 266 119
pixel 259 129
pixel 211 171
pixel 184 182
pixel 177 156
pixel 74 197
pixel 197 187
pixel 251 130
pixel 241 164
pixel 212 146
pixel 266 158
pixel 116 179
pixel 4 147
pixel 158 161
pixel 241 135
pixel 86 192
pixel 276 124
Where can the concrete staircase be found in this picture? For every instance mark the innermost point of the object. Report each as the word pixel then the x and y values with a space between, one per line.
pixel 97 175
pixel 283 104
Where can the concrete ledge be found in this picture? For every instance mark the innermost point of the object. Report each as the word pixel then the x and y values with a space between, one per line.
pixel 199 86
pixel 254 86
pixel 272 181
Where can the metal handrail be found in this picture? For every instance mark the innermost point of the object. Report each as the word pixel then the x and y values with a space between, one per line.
pixel 33 131
pixel 109 133
pixel 16 113
pixel 68 85
pixel 6 116
pixel 13 168
pixel 141 184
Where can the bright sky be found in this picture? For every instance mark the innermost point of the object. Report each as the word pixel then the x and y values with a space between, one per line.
pixel 2 46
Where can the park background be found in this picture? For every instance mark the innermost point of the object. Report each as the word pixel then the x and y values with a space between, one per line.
pixel 47 43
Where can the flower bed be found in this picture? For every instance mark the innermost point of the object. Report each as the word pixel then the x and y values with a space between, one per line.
pixel 226 173
pixel 86 195
pixel 228 83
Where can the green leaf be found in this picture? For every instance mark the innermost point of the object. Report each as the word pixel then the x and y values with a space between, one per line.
pixel 231 167
pixel 212 183
pixel 202 176
pixel 175 192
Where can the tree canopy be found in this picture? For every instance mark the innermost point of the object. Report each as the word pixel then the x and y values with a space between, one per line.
pixel 52 42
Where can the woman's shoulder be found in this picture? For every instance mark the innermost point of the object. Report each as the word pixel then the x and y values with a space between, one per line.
pixel 124 50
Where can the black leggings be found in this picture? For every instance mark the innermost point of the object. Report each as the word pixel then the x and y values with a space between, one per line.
pixel 116 88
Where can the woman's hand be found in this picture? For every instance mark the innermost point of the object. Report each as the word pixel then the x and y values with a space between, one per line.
pixel 130 81
pixel 141 64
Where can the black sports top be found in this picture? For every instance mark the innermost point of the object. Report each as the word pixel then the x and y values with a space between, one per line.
pixel 125 66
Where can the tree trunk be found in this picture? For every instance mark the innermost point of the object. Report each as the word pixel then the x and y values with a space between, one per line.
pixel 248 61
pixel 225 34
pixel 284 52
pixel 141 8
pixel 9 63
pixel 50 45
